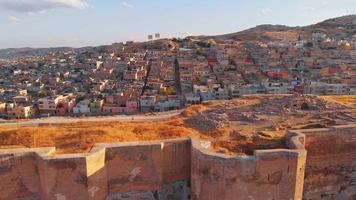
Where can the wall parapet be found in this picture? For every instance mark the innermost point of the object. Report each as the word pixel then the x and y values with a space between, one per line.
pixel 107 169
pixel 330 167
pixel 267 174
pixel 157 169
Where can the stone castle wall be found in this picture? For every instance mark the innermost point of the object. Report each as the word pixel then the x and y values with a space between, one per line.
pixel 185 169
pixel 331 163
pixel 267 175
pixel 111 170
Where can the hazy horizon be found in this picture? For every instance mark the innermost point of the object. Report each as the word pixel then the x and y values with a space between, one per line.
pixel 80 23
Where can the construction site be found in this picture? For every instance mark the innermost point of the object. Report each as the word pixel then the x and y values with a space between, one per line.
pixel 255 147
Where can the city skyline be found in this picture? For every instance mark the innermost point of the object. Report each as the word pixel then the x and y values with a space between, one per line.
pixel 76 23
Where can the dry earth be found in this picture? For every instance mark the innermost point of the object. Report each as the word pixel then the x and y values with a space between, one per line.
pixel 235 127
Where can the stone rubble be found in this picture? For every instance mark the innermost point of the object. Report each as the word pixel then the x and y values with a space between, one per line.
pixel 208 121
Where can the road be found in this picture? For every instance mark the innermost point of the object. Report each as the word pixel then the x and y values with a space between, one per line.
pixel 67 120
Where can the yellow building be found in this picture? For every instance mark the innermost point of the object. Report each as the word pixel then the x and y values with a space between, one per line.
pixel 22 112
pixel 2 107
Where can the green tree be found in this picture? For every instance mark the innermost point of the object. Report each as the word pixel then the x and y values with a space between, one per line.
pixel 42 94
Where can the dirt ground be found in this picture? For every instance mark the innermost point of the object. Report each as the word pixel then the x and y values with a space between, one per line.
pixel 344 100
pixel 80 137
pixel 235 127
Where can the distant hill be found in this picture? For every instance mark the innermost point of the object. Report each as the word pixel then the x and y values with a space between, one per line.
pixel 261 32
pixel 21 52
pixel 348 22
pixel 340 27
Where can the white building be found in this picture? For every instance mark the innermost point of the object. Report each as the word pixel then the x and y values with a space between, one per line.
pixel 82 107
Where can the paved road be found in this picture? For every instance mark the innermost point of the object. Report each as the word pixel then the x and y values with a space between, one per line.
pixel 66 120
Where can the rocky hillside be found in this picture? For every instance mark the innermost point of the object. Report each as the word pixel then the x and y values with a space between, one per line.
pixel 341 27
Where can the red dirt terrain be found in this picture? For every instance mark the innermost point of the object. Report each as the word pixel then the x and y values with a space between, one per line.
pixel 234 127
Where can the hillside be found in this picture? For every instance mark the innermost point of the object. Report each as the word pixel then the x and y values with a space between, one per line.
pixel 347 22
pixel 340 27
pixel 22 52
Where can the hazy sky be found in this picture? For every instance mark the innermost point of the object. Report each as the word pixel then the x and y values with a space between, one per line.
pixel 44 23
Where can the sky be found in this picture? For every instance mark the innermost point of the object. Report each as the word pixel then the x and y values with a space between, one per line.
pixel 77 23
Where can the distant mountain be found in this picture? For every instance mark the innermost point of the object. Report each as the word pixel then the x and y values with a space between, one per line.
pixel 21 52
pixel 341 27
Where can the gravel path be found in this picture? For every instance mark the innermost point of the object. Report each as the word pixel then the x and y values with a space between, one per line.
pixel 67 120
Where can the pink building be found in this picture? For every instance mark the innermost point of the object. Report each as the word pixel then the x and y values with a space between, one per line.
pixel 65 106
pixel 110 99
pixel 131 107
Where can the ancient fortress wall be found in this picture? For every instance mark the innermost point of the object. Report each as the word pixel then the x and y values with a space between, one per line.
pixel 185 169
pixel 331 163
pixel 268 174
pixel 116 169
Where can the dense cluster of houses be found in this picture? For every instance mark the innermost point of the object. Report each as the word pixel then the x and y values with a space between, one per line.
pixel 166 75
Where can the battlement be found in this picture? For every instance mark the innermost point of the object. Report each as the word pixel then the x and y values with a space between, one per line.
pixel 180 169
pixel 268 174
pixel 330 167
